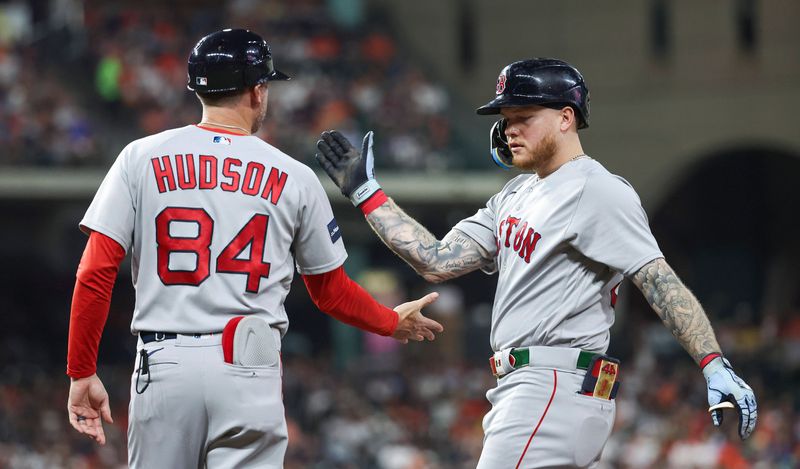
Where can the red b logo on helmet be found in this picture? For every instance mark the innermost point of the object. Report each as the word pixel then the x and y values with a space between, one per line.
pixel 501 83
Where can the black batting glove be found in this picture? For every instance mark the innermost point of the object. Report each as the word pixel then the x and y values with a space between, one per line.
pixel 351 170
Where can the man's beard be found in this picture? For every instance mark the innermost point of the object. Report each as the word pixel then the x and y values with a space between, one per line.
pixel 541 155
pixel 257 123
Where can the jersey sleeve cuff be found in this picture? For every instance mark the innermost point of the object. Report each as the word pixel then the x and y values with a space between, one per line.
pixel 321 269
pixel 394 320
pixel 87 227
pixel 78 374
pixel 637 266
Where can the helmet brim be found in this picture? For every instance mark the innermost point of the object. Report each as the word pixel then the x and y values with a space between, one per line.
pixel 497 104
pixel 494 106
pixel 277 75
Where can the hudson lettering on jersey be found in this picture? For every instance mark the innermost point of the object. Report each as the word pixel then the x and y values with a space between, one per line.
pixel 208 172
pixel 519 237
pixel 165 178
pixel 184 171
pixel 185 166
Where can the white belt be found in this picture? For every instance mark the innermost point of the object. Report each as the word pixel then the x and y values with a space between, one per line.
pixel 507 360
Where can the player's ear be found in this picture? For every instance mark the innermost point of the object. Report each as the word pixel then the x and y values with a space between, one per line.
pixel 257 95
pixel 567 118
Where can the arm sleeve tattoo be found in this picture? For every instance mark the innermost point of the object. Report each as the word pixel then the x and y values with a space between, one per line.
pixel 435 260
pixel 677 307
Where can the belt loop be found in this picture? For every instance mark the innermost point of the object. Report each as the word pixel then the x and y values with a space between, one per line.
pixel 160 336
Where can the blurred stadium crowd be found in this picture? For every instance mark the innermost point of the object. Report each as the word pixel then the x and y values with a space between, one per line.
pixel 73 93
pixel 74 89
pixel 420 406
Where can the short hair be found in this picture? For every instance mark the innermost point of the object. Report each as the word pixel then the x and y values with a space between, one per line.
pixel 222 99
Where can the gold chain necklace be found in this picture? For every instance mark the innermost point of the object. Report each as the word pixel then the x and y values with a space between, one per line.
pixel 225 126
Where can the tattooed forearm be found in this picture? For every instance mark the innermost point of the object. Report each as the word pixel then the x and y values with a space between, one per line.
pixel 435 260
pixel 677 307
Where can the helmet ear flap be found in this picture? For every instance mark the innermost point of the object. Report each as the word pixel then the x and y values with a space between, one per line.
pixel 498 145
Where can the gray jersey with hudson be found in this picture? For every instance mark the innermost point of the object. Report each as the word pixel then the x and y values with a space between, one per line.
pixel 234 170
pixel 562 245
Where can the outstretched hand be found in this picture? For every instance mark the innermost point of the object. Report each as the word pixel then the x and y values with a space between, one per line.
pixel 350 169
pixel 412 325
pixel 87 405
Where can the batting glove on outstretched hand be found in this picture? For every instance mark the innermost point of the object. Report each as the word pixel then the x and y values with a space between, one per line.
pixel 725 386
pixel 351 170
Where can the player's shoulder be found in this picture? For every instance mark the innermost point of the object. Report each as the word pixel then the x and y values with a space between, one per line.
pixel 511 187
pixel 601 183
pixel 141 149
pixel 515 183
pixel 599 174
pixel 158 139
pixel 172 133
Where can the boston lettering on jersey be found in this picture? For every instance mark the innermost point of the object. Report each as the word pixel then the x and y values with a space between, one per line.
pixel 524 238
pixel 250 180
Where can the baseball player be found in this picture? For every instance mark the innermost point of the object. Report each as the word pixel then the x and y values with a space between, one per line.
pixel 561 237
pixel 215 220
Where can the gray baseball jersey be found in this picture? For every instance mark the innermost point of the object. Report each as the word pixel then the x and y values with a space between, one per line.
pixel 215 223
pixel 562 245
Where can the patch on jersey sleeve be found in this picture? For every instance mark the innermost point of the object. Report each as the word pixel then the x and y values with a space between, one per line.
pixel 219 139
pixel 334 231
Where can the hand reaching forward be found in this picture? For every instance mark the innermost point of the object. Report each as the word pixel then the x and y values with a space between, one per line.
pixel 86 405
pixel 725 386
pixel 350 169
pixel 412 325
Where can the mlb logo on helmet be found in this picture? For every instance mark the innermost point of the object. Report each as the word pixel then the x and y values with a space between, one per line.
pixel 203 81
pixel 219 139
pixel 501 83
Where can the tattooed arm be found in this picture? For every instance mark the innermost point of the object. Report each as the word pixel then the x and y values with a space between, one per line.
pixel 435 260
pixel 677 307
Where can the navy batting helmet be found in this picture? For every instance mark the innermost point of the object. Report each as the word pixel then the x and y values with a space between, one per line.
pixel 544 82
pixel 230 60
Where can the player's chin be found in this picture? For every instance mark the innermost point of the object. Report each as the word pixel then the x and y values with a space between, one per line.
pixel 523 160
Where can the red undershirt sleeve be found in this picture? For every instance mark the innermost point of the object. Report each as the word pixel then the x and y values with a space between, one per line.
pixel 90 302
pixel 339 296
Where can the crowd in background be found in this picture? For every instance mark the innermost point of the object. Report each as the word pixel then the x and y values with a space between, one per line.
pixel 420 406
pixel 422 417
pixel 79 81
pixel 127 79
pixel 43 121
